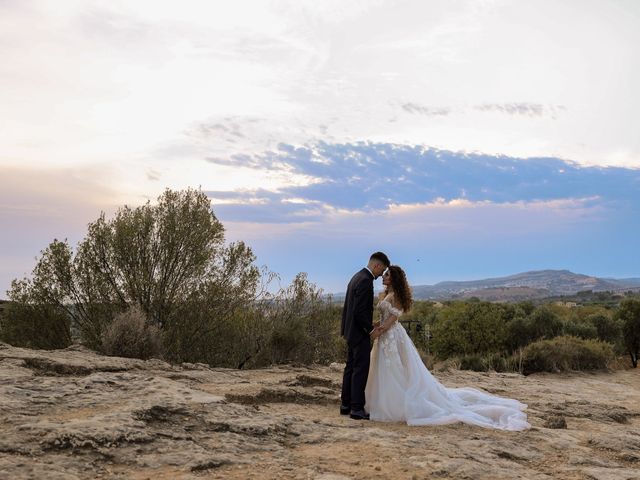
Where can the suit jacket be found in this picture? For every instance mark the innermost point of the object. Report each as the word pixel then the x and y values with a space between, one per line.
pixel 357 314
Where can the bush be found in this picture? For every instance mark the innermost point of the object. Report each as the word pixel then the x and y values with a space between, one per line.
pixel 35 326
pixel 485 363
pixel 545 324
pixel 469 328
pixel 566 353
pixel 473 362
pixel 583 330
pixel 607 328
pixel 304 326
pixel 629 315
pixel 130 335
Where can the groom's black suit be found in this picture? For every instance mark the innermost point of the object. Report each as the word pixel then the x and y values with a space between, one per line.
pixel 357 323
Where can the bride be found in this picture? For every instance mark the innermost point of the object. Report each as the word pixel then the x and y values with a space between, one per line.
pixel 401 389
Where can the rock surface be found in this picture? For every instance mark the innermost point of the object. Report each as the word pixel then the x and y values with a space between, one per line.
pixel 73 414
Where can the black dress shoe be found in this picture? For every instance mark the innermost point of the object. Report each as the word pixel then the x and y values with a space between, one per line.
pixel 359 415
pixel 345 410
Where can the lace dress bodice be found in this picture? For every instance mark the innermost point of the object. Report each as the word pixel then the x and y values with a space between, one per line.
pixel 387 309
pixel 388 341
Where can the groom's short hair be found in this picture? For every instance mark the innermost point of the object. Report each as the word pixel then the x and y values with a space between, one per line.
pixel 380 257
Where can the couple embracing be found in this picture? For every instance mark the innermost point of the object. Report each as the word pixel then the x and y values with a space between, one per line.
pixel 389 382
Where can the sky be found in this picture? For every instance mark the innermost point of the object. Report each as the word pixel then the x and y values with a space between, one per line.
pixel 465 139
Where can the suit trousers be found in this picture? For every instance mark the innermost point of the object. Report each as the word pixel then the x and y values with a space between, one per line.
pixel 356 372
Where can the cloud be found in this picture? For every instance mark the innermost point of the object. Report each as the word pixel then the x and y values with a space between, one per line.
pixel 522 109
pixel 372 177
pixel 428 111
pixel 153 175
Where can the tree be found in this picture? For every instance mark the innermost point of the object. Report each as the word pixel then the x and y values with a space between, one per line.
pixel 36 317
pixel 463 328
pixel 608 329
pixel 629 314
pixel 169 259
pixel 544 324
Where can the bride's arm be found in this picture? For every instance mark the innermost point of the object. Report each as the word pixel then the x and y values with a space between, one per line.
pixel 391 319
pixel 388 323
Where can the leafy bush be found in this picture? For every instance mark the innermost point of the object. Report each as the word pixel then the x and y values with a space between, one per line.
pixel 585 330
pixel 538 323
pixel 304 326
pixel 131 335
pixel 629 315
pixel 469 328
pixel 485 363
pixel 564 354
pixel 473 362
pixel 544 323
pixel 35 326
pixel 607 328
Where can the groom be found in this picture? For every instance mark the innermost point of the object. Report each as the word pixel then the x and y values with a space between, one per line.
pixel 357 323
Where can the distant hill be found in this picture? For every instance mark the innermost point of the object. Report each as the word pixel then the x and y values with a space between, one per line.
pixel 523 286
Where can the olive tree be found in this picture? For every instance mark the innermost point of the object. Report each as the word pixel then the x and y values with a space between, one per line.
pixel 168 258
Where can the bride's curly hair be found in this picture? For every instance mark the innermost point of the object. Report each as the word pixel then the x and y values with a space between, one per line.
pixel 401 289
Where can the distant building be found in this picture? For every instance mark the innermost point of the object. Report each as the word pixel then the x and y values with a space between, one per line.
pixel 566 304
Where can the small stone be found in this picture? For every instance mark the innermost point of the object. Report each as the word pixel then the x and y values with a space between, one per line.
pixel 556 421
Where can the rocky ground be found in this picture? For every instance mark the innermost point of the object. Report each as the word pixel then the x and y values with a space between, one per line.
pixel 73 414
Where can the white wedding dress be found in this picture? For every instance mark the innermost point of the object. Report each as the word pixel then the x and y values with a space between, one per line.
pixel 401 389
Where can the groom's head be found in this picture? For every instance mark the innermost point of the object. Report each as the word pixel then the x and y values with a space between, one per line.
pixel 378 263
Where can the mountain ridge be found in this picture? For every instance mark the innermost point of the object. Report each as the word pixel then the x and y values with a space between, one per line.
pixel 542 283
pixel 521 286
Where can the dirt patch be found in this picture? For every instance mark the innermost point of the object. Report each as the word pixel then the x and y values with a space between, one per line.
pixel 281 395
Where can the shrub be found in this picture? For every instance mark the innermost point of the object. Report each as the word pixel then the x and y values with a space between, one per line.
pixel 544 324
pixel 564 354
pixel 485 363
pixel 35 326
pixel 607 328
pixel 585 330
pixel 518 333
pixel 131 335
pixel 629 315
pixel 469 328
pixel 473 362
pixel 303 326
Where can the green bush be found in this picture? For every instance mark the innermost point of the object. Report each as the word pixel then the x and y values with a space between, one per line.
pixel 583 330
pixel 544 323
pixel 35 326
pixel 607 328
pixel 629 316
pixel 473 363
pixel 303 325
pixel 566 353
pixel 469 328
pixel 485 363
pixel 130 335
